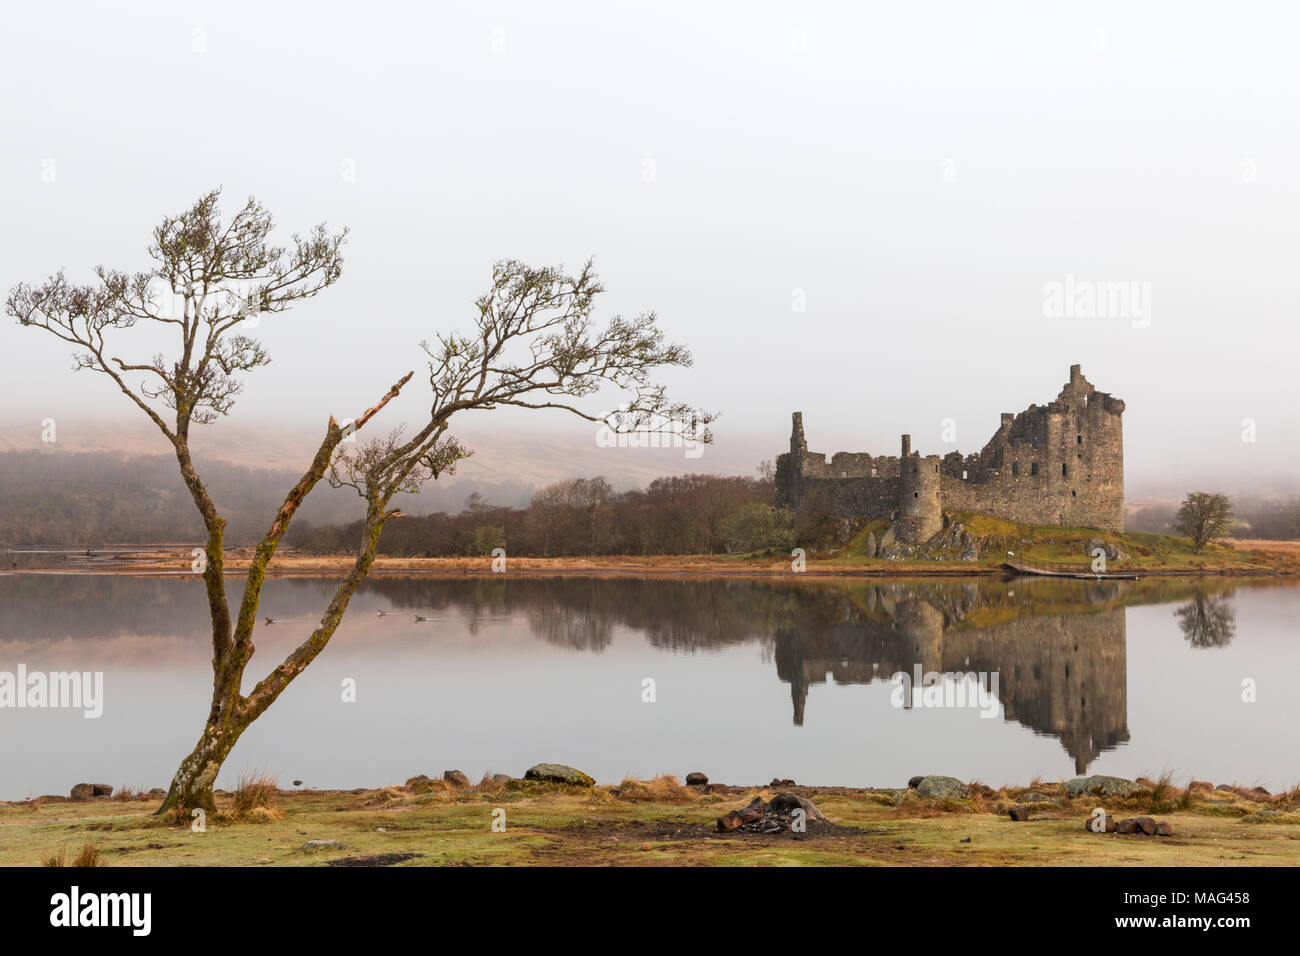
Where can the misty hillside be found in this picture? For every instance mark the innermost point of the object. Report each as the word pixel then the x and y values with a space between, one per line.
pixel 102 498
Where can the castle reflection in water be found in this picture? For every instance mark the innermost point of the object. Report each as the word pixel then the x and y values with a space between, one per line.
pixel 1057 646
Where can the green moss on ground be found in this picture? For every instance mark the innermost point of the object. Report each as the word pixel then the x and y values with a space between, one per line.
pixel 551 825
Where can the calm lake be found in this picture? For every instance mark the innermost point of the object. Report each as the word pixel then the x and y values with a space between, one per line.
pixel 751 679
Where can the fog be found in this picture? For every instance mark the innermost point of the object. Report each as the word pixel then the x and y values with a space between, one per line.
pixel 857 212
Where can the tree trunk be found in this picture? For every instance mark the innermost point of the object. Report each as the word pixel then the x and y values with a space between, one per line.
pixel 231 711
pixel 191 788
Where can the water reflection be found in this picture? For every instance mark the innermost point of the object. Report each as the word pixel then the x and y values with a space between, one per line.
pixel 1059 647
pixel 1209 620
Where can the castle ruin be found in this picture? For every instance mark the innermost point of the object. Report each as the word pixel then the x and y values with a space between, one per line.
pixel 1055 464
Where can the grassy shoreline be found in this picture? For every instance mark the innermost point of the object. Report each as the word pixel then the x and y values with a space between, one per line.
pixel 1163 557
pixel 659 822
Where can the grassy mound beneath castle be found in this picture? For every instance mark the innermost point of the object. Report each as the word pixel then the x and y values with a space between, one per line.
pixel 1051 544
pixel 1065 545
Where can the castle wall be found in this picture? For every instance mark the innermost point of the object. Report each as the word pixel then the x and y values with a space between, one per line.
pixel 1056 464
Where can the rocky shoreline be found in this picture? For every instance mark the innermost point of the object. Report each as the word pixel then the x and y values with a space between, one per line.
pixel 555 814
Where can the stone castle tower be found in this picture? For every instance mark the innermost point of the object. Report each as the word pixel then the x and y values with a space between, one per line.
pixel 1055 464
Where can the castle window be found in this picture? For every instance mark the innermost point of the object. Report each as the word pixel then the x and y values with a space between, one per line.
pixel 873 472
pixel 1015 468
pixel 963 476
pixel 936 469
pixel 1074 494
pixel 1033 468
pixel 1078 439
pixel 844 474
pixel 916 494
pixel 1065 469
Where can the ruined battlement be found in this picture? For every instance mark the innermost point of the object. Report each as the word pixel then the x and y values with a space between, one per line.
pixel 1056 464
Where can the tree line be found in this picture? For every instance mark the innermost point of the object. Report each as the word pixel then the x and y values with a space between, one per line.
pixel 683 514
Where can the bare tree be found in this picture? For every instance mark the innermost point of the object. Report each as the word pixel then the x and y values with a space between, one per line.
pixel 534 345
pixel 1203 517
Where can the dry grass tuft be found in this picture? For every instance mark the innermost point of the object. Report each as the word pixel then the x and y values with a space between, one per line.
pixel 257 798
pixel 90 855
pixel 1163 796
pixel 423 784
pixel 662 789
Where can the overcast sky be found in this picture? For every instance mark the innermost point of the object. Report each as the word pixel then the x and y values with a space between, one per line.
pixel 853 210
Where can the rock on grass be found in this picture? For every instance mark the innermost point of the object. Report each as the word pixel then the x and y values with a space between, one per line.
pixel 942 788
pixel 1100 785
pixel 559 773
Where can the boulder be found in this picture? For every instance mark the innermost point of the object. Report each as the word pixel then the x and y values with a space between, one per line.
pixel 559 773
pixel 896 552
pixel 501 778
pixel 1164 829
pixel 871 548
pixel 88 791
pixel 789 802
pixel 1019 814
pixel 1109 827
pixel 778 782
pixel 732 821
pixel 456 779
pixel 1112 551
pixel 1100 785
pixel 696 779
pixel 1146 825
pixel 942 788
pixel 914 781
pixel 1126 826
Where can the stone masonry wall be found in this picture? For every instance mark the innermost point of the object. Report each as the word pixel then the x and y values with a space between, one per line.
pixel 1056 464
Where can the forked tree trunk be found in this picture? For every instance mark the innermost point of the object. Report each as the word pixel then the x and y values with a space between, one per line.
pixel 232 711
